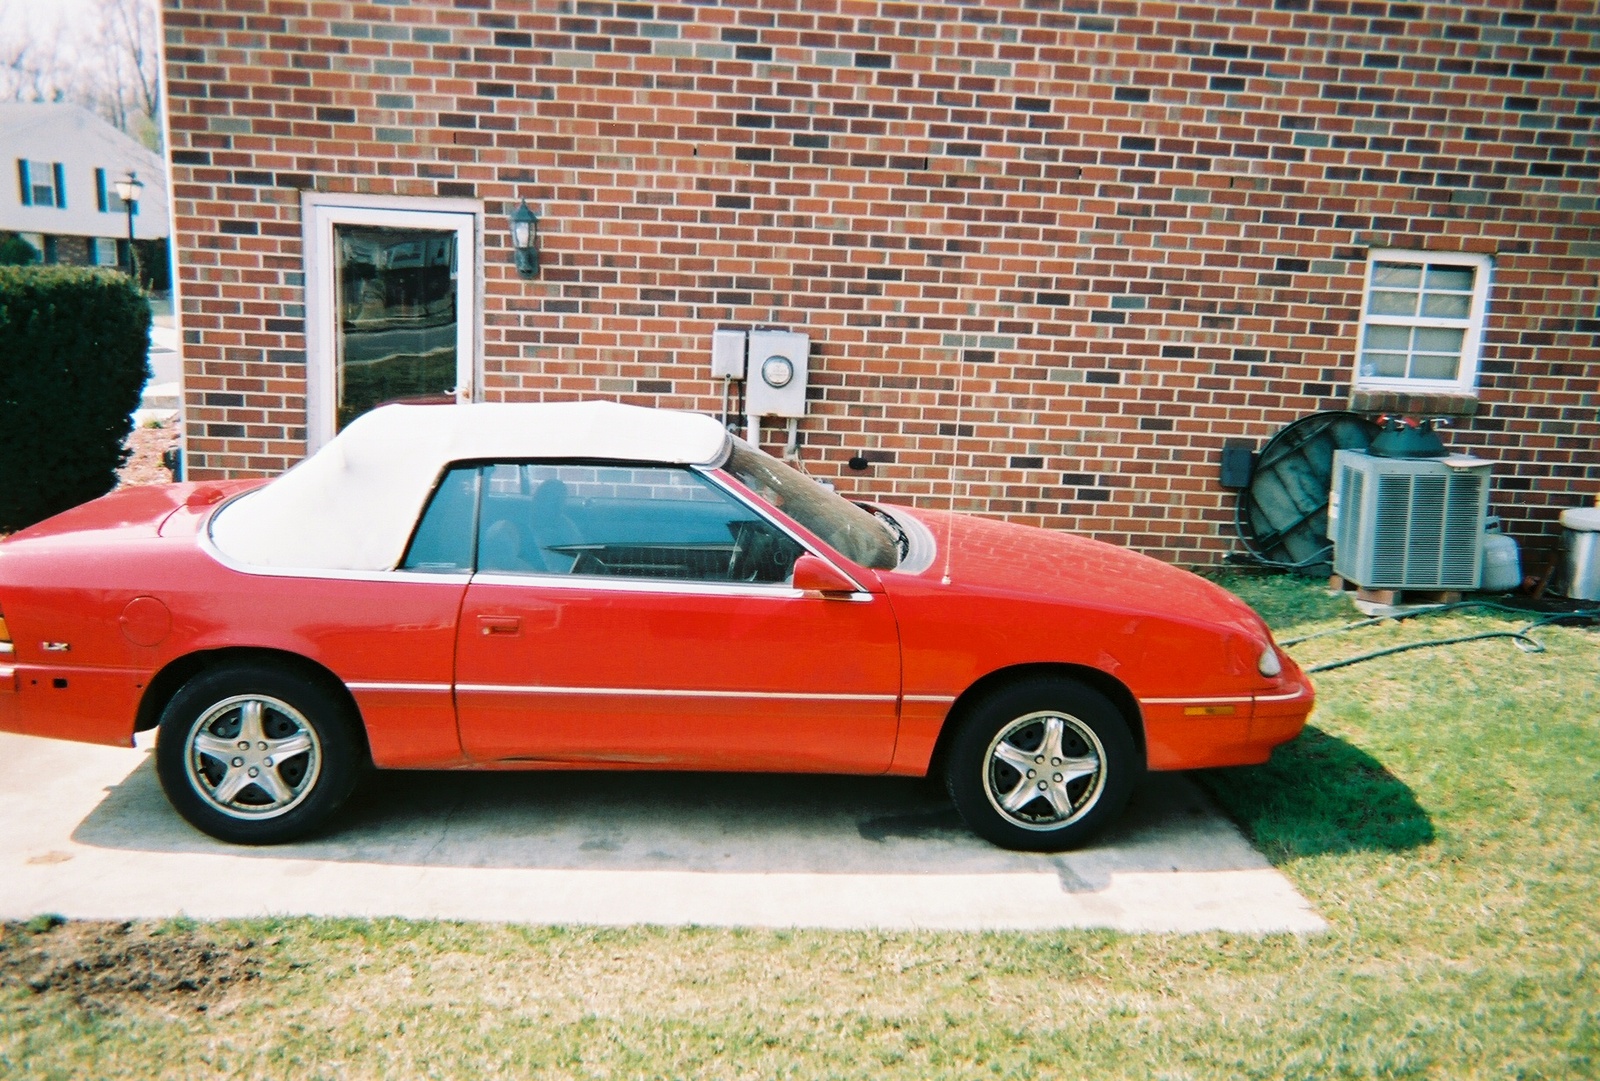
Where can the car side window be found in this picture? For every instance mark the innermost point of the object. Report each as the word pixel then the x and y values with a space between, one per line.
pixel 631 521
pixel 442 543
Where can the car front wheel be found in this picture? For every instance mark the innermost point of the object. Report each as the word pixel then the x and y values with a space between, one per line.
pixel 1042 765
pixel 257 754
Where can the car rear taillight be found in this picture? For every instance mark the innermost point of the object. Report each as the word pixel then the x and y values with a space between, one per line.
pixel 5 635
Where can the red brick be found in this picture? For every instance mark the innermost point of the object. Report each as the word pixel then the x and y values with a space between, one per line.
pixel 941 287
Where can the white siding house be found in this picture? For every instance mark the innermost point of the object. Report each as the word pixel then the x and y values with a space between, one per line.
pixel 59 165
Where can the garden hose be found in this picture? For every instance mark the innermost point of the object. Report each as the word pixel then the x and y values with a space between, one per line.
pixel 1324 555
pixel 1521 636
pixel 1432 609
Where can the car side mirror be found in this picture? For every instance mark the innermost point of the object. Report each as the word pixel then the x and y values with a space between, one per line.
pixel 813 575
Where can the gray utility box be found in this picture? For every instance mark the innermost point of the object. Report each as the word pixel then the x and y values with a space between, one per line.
pixel 1408 523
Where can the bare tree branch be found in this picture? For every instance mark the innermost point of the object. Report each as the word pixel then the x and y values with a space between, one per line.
pixel 31 70
pixel 130 44
pixel 113 65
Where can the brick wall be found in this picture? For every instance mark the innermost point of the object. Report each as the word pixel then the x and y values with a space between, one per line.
pixel 1050 254
pixel 73 250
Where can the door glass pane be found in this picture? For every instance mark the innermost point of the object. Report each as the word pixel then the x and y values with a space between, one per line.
pixel 625 521
pixel 396 332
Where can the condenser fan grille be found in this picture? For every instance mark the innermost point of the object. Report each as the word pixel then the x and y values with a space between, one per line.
pixel 1460 565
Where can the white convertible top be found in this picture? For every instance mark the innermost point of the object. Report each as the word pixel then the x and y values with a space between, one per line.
pixel 353 504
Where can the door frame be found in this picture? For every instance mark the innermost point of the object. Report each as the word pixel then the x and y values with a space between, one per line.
pixel 319 213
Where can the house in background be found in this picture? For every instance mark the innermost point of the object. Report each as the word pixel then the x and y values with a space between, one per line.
pixel 1050 256
pixel 63 200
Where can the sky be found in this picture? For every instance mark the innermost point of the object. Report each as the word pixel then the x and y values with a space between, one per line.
pixel 70 48
pixel 42 19
pixel 72 24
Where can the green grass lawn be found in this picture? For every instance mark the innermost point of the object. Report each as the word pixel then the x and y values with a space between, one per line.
pixel 1442 813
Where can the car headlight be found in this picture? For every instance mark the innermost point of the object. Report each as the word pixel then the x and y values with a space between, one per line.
pixel 1269 665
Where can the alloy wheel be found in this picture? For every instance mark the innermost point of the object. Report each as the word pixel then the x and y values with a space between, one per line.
pixel 253 756
pixel 1044 770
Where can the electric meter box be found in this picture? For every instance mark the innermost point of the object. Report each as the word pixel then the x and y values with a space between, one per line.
pixel 727 354
pixel 776 383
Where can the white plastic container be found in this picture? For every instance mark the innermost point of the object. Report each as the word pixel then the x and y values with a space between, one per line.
pixel 1580 535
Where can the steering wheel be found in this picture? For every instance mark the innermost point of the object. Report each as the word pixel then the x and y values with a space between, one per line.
pixel 752 550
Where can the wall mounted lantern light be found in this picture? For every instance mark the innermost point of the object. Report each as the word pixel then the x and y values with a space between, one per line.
pixel 128 189
pixel 525 240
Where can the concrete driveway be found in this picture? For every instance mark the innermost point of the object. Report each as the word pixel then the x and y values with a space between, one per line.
pixel 85 832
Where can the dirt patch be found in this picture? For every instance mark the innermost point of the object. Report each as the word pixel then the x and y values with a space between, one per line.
pixel 105 966
pixel 144 465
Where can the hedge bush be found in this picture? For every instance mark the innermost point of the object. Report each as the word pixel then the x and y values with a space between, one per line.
pixel 74 347
pixel 14 251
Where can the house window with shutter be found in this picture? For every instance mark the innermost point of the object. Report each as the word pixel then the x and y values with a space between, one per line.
pixel 43 183
pixel 106 198
pixel 1422 320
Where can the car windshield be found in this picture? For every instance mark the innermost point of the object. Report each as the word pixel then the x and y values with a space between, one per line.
pixel 854 532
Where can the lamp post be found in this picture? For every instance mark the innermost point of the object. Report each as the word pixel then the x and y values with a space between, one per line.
pixel 128 189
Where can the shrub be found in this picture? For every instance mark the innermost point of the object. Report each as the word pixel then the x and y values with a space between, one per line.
pixel 14 251
pixel 72 367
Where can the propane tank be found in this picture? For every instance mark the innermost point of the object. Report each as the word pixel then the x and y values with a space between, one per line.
pixel 1502 566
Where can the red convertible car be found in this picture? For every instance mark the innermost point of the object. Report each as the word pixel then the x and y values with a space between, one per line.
pixel 597 586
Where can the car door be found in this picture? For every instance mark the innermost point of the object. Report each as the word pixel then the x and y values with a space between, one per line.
pixel 629 614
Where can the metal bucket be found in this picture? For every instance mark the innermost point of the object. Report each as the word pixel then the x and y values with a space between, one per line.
pixel 1580 535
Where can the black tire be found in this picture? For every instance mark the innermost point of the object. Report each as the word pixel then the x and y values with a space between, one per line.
pixel 302 759
pixel 1003 751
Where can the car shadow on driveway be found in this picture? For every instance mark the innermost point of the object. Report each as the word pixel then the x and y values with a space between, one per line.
pixel 732 823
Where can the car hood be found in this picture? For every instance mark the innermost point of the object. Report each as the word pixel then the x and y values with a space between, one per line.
pixel 1031 564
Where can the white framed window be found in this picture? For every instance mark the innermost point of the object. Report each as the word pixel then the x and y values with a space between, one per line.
pixel 105 251
pixel 1422 316
pixel 42 183
pixel 106 197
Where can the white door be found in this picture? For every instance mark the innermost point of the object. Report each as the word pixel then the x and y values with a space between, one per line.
pixel 391 306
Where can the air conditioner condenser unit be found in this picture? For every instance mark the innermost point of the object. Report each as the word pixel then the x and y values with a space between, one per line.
pixel 1408 523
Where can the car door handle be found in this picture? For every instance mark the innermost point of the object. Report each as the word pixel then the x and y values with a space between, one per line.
pixel 507 625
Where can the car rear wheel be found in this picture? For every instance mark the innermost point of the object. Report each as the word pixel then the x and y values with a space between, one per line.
pixel 257 753
pixel 1042 765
